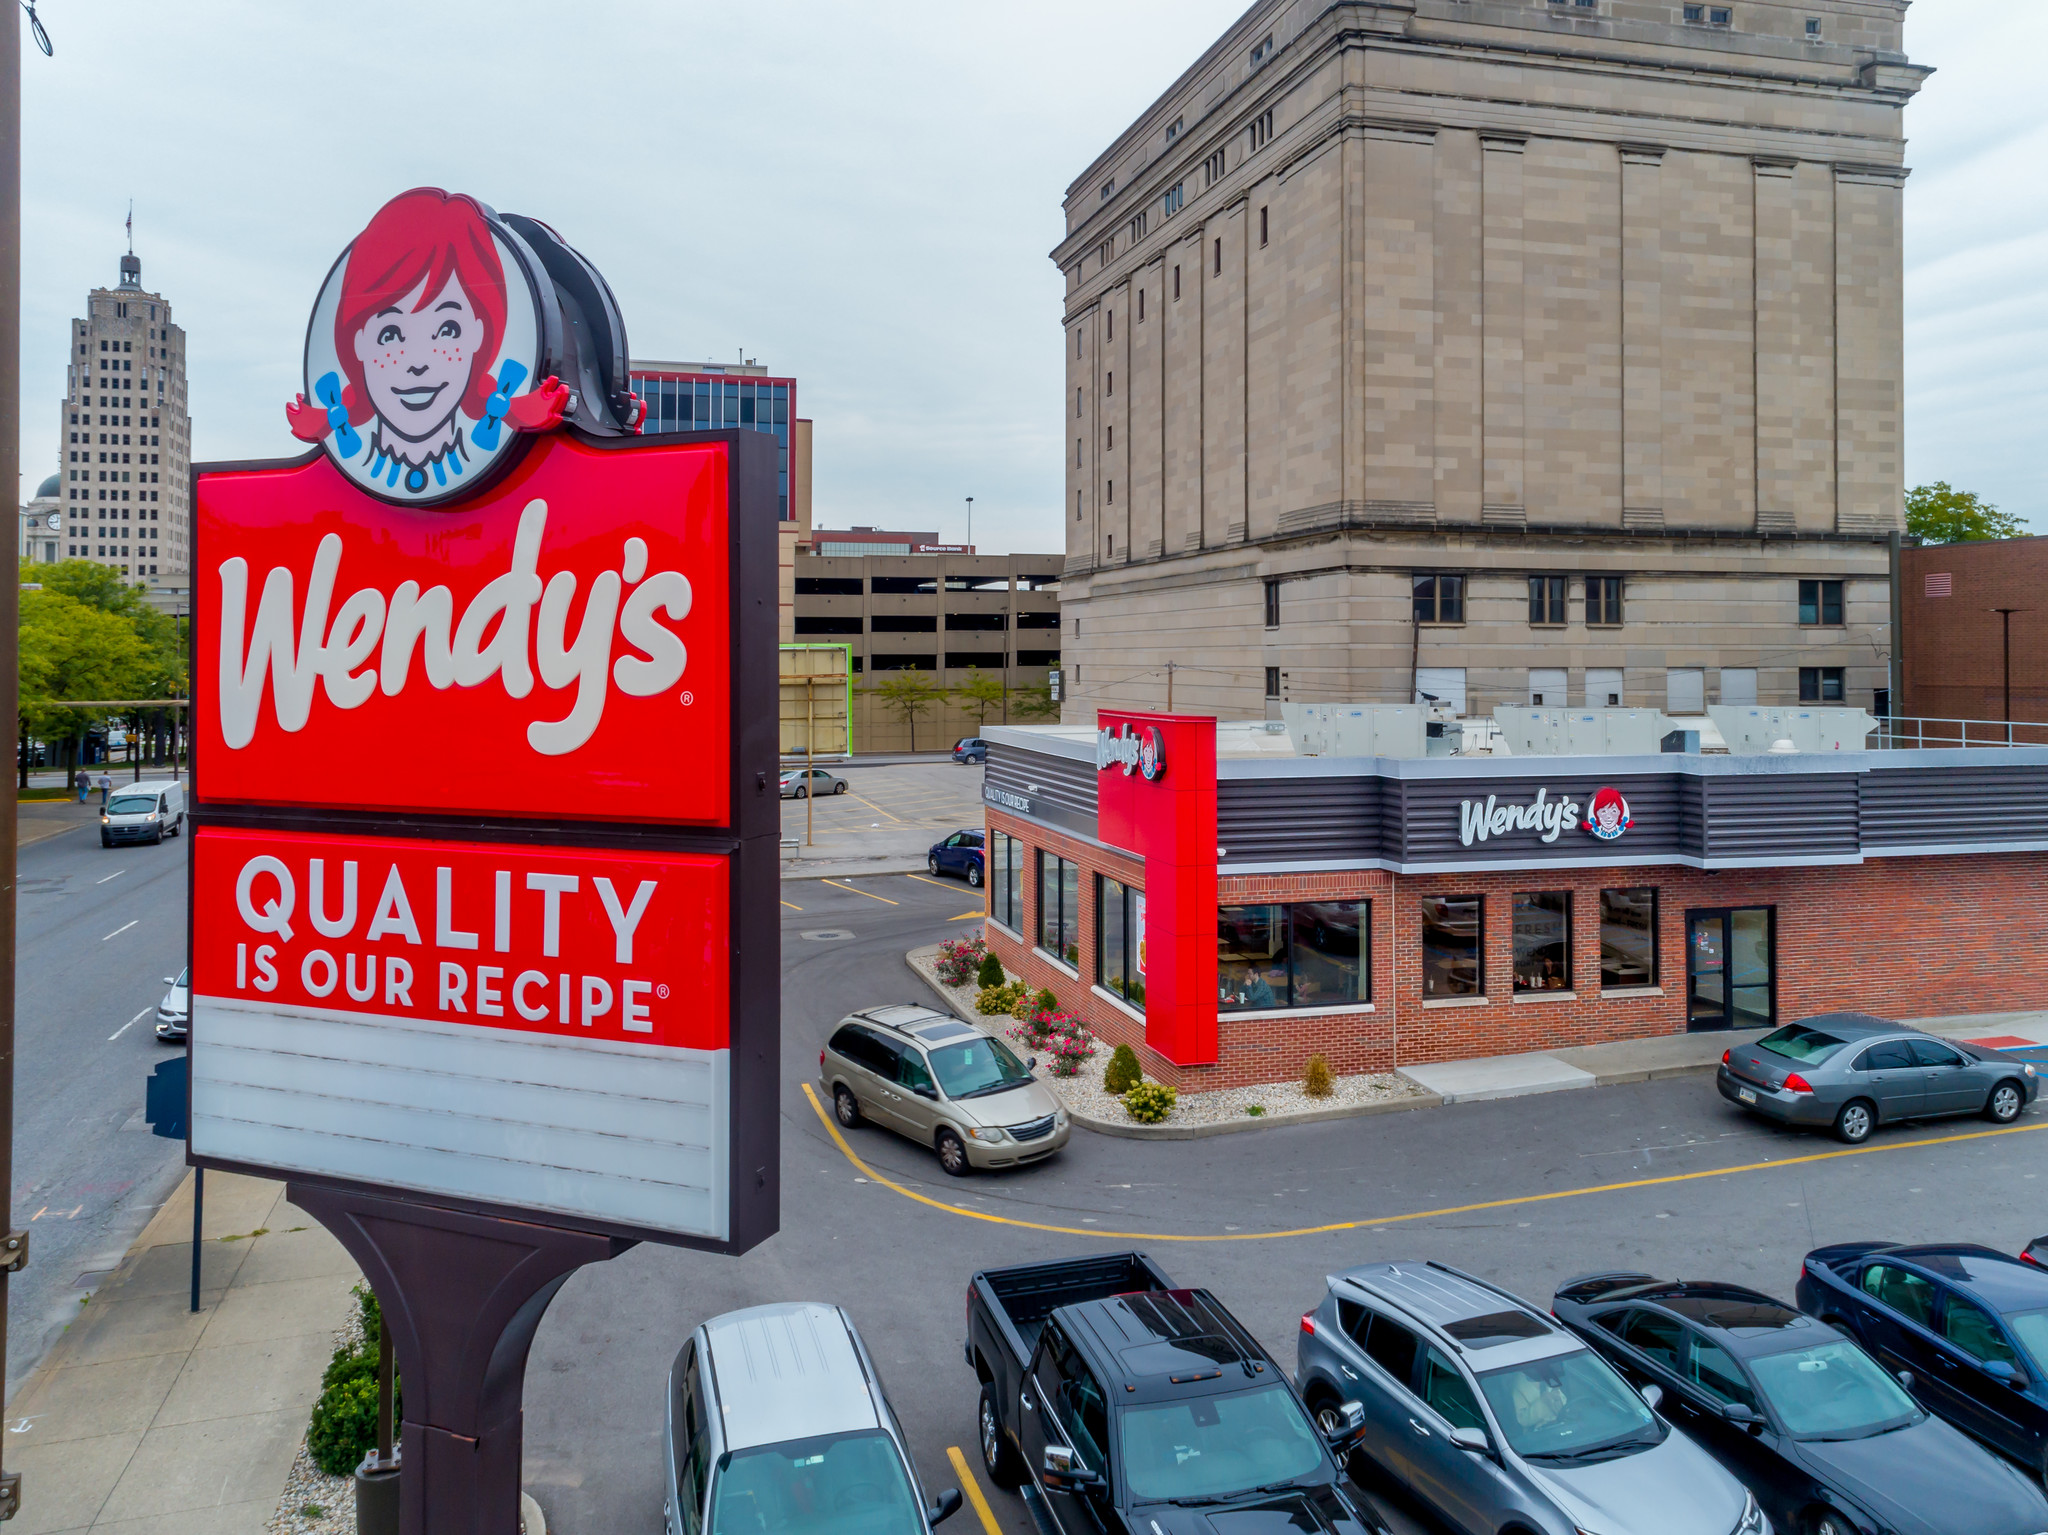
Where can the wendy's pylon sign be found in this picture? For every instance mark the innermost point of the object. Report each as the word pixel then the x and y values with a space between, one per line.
pixel 484 865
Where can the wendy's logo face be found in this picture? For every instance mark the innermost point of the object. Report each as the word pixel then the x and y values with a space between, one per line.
pixel 417 356
pixel 1609 817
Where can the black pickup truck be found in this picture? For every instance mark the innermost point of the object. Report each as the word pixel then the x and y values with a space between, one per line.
pixel 1136 1408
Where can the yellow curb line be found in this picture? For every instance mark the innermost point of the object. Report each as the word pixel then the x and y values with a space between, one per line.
pixel 882 898
pixel 942 884
pixel 792 906
pixel 969 916
pixel 1413 1215
pixel 972 1488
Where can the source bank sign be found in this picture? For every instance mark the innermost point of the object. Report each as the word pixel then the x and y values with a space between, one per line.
pixel 483 870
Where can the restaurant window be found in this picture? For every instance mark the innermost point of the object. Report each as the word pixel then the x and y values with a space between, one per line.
pixel 1059 908
pixel 1820 604
pixel 1603 601
pixel 1820 684
pixel 1453 947
pixel 1546 600
pixel 1312 954
pixel 1439 599
pixel 1543 940
pixel 1006 879
pixel 1628 937
pixel 1120 940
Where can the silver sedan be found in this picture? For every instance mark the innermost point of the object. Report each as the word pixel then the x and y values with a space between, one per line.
pixel 1851 1072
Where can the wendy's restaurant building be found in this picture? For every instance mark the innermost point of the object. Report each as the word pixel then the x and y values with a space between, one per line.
pixel 1231 915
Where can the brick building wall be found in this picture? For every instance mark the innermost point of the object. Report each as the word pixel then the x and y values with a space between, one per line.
pixel 1953 640
pixel 1851 937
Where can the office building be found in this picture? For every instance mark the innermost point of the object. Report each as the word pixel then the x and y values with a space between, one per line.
pixel 1974 637
pixel 858 540
pixel 125 435
pixel 1492 349
pixel 42 524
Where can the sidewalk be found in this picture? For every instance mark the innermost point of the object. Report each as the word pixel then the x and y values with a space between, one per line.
pixel 147 1419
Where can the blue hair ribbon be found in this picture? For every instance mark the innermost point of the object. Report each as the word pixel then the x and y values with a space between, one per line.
pixel 510 376
pixel 328 393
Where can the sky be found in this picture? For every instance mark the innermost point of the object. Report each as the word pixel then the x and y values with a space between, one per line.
pixel 862 197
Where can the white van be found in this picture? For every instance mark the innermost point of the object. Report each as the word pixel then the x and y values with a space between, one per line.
pixel 143 812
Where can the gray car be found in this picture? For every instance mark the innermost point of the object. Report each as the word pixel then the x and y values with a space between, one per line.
pixel 806 783
pixel 1495 1417
pixel 1851 1072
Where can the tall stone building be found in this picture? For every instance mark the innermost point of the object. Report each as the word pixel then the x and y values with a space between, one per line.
pixel 127 440
pixel 1496 349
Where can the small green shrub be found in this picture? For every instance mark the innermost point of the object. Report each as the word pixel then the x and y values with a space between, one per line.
pixel 1123 1072
pixel 992 1000
pixel 991 972
pixel 344 1426
pixel 1025 1005
pixel 1045 1001
pixel 1150 1102
pixel 1256 1110
pixel 1316 1081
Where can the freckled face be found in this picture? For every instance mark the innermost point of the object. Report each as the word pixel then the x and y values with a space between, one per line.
pixel 1609 816
pixel 416 359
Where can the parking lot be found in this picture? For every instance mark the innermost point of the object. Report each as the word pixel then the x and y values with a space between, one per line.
pixel 884 821
pixel 1526 1192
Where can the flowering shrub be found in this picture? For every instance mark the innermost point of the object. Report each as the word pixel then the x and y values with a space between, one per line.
pixel 1150 1102
pixel 959 959
pixel 991 1000
pixel 1058 1035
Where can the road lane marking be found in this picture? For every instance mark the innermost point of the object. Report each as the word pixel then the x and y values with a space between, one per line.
pixel 117 932
pixel 115 875
pixel 792 906
pixel 972 1488
pixel 1414 1215
pixel 882 898
pixel 128 1025
pixel 968 916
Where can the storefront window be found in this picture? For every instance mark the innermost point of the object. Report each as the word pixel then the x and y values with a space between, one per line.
pixel 1006 880
pixel 1543 940
pixel 1315 954
pixel 1120 940
pixel 1453 948
pixel 1628 937
pixel 1059 908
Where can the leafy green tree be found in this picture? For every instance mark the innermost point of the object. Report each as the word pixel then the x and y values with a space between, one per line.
pixel 910 695
pixel 1938 514
pixel 979 693
pixel 75 650
pixel 1035 703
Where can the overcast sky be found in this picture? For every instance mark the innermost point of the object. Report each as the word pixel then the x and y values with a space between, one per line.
pixel 858 196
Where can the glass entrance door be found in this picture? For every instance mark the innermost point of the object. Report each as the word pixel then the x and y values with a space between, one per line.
pixel 1729 968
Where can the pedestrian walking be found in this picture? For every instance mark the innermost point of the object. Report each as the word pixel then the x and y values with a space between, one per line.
pixel 106 784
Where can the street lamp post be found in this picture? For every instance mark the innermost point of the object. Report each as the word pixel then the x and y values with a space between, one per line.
pixel 2005 624
pixel 970 522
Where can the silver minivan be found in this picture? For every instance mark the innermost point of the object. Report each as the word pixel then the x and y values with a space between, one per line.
pixel 143 812
pixel 777 1421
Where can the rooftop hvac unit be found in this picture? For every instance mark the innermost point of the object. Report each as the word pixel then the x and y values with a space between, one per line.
pixel 1533 732
pixel 1750 730
pixel 1355 730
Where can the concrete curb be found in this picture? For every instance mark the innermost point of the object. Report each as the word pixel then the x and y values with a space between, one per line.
pixel 1138 1132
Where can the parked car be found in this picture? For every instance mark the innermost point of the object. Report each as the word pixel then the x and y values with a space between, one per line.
pixel 2036 1251
pixel 1137 1408
pixel 970 749
pixel 803 783
pixel 1826 1439
pixel 1853 1072
pixel 1495 1417
pixel 959 854
pixel 776 1420
pixel 143 812
pixel 1966 1326
pixel 944 1083
pixel 174 1013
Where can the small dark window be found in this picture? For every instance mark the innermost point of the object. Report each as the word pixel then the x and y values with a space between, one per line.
pixel 1262 227
pixel 1173 130
pixel 811 626
pixel 1543 940
pixel 1176 282
pixel 1262 50
pixel 1546 600
pixel 1628 937
pixel 1813 28
pixel 1272 604
pixel 1820 603
pixel 1453 946
pixel 828 586
pixel 1141 306
pixel 1720 16
pixel 1393 1348
pixel 1603 601
pixel 1820 684
pixel 1109 320
pixel 1272 682
pixel 1439 599
pixel 1892 1055
pixel 1219 257
pixel 1111 387
pixel 1696 13
pixel 1077 404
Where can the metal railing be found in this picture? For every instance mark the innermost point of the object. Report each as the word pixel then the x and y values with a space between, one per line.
pixel 1910 733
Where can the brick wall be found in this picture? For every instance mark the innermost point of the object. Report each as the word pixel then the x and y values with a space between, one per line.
pixel 1904 937
pixel 1954 644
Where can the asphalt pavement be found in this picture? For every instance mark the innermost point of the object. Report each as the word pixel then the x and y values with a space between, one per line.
pixel 98 929
pixel 1528 1191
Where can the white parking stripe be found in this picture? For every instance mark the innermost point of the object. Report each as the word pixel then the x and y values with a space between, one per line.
pixel 128 1025
pixel 117 932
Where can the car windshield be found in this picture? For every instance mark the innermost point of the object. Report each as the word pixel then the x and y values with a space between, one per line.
pixel 975 1067
pixel 2031 1328
pixel 1798 1043
pixel 1216 1446
pixel 132 804
pixel 1569 1407
pixel 836 1484
pixel 1832 1391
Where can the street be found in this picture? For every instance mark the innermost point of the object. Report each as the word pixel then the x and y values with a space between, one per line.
pixel 99 928
pixel 1526 1192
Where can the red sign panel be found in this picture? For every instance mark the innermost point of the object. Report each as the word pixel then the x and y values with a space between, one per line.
pixel 561 643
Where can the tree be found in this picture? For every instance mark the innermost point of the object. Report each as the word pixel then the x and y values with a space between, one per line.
pixel 1035 703
pixel 1937 514
pixel 979 694
pixel 910 694
pixel 70 650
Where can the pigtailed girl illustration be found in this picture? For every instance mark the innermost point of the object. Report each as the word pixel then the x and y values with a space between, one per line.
pixel 1608 815
pixel 414 356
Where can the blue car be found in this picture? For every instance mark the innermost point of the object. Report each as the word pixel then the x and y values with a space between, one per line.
pixel 970 749
pixel 959 854
pixel 1965 1326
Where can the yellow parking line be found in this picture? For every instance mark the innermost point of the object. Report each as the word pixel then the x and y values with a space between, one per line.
pixel 972 1488
pixel 1413 1215
pixel 792 906
pixel 878 810
pixel 942 884
pixel 968 916
pixel 882 898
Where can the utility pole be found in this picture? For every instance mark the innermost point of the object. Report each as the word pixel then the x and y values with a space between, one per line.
pixel 1169 687
pixel 970 522
pixel 2005 621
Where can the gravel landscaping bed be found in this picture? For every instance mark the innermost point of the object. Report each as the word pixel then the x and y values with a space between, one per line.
pixel 308 1488
pixel 1280 1101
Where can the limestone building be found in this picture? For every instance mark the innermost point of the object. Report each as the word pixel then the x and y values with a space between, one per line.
pixel 1497 349
pixel 126 436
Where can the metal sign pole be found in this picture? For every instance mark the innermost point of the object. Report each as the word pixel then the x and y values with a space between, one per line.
pixel 16 1250
pixel 810 734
